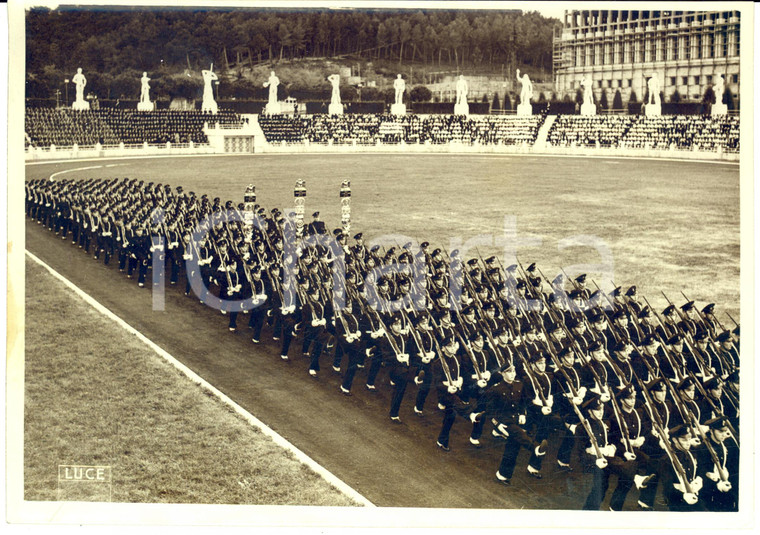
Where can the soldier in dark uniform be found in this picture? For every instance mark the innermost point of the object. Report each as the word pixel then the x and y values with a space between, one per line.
pixel 423 354
pixel 569 392
pixel 260 302
pixel 718 468
pixel 394 350
pixel 659 411
pixel 681 490
pixel 506 404
pixel 628 428
pixel 539 399
pixel 315 332
pixel 349 338
pixel 140 253
pixel 599 450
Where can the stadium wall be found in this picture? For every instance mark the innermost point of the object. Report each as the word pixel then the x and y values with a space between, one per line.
pixel 70 153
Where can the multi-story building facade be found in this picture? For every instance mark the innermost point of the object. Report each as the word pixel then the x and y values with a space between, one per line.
pixel 685 50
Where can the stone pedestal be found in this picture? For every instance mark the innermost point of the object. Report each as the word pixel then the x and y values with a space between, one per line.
pixel 272 108
pixel 398 109
pixel 653 110
pixel 209 106
pixel 462 109
pixel 525 109
pixel 335 109
pixel 80 105
pixel 145 106
pixel 719 109
pixel 588 109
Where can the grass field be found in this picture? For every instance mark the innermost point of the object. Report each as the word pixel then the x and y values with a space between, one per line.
pixel 95 395
pixel 667 226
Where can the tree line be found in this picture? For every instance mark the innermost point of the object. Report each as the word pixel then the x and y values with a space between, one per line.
pixel 117 43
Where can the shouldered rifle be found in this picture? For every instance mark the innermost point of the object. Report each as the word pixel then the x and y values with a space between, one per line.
pixel 544 402
pixel 601 462
pixel 689 495
pixel 629 454
pixel 453 385
pixel 425 356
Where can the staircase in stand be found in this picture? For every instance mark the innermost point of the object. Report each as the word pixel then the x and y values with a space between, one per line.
pixel 543 132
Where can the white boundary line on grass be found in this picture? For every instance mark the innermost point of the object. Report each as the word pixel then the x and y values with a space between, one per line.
pixel 251 419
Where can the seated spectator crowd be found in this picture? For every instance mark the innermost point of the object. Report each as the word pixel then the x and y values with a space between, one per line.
pixel 111 126
pixel 369 129
pixel 663 132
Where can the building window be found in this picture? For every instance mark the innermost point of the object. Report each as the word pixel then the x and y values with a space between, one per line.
pixel 620 82
pixel 684 80
pixel 672 80
pixel 627 52
pixel 735 78
pixel 630 82
pixel 696 80
pixel 708 79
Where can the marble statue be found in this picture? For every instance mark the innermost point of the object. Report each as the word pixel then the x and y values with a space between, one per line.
pixel 144 88
pixel 526 93
pixel 272 84
pixel 80 81
pixel 461 90
pixel 400 86
pixel 654 90
pixel 209 77
pixel 719 88
pixel 334 79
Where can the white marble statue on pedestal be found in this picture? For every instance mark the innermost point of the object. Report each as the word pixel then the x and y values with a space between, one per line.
pixel 588 107
pixel 80 103
pixel 273 106
pixel 654 104
pixel 526 93
pixel 145 104
pixel 461 107
pixel 209 77
pixel 719 108
pixel 398 107
pixel 336 108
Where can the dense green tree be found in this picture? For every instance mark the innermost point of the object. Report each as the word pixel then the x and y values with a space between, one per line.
pixel 420 93
pixel 617 100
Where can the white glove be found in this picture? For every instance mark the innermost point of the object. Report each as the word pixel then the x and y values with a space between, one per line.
pixel 546 410
pixel 521 419
pixel 577 401
pixel 106 234
pixel 712 476
pixel 482 383
pixel 638 442
pixel 452 389
pixel 230 291
pixel 572 428
pixel 724 486
pixel 403 358
pixel 537 402
pixel 550 400
pixel 357 335
pixel 696 485
pixel 601 463
pixel 417 380
pixel 316 323
pixel 487 375
pixel 609 450
pixel 582 392
pixel 187 256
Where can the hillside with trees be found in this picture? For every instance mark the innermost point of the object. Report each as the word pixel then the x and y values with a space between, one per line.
pixel 114 46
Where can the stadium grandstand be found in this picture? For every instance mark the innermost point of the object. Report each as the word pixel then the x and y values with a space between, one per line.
pixel 110 126
pixel 64 127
